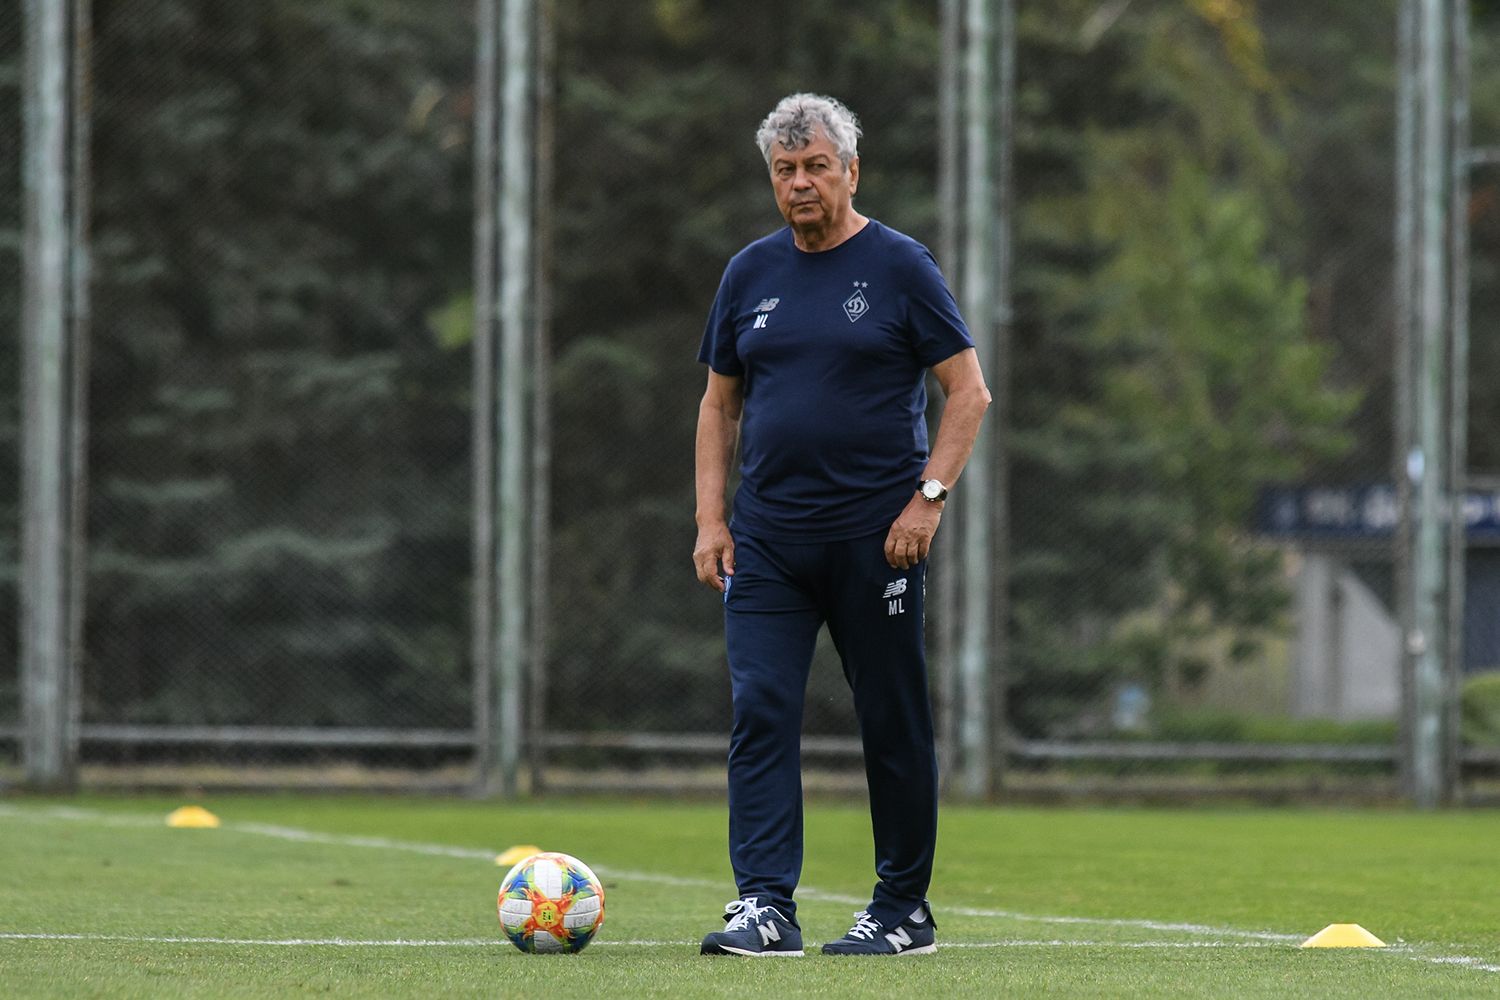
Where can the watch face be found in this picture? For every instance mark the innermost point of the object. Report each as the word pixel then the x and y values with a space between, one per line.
pixel 932 489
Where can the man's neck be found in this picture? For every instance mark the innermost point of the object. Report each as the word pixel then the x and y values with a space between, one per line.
pixel 816 239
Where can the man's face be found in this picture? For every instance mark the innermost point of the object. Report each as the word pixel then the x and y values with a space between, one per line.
pixel 813 189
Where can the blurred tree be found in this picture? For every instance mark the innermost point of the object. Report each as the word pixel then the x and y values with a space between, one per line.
pixel 1484 222
pixel 1163 365
pixel 280 424
pixel 659 183
pixel 279 446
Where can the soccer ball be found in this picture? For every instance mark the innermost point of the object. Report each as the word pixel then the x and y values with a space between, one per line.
pixel 551 903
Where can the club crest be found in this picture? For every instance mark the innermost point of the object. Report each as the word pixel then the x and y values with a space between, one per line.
pixel 856 305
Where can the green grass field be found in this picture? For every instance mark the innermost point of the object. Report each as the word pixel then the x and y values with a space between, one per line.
pixel 395 897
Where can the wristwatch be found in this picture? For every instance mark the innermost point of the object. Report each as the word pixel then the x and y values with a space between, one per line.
pixel 932 491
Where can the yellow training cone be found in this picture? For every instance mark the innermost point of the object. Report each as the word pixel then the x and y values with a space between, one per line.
pixel 511 855
pixel 1343 936
pixel 192 817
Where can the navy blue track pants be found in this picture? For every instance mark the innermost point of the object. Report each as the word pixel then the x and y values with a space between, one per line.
pixel 779 596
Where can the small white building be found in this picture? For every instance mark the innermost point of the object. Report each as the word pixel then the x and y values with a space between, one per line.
pixel 1346 650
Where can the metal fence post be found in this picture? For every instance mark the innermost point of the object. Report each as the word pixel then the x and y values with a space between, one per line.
pixel 1424 441
pixel 53 294
pixel 503 340
pixel 512 594
pixel 976 293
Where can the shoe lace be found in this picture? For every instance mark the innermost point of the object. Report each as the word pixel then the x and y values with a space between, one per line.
pixel 865 926
pixel 741 913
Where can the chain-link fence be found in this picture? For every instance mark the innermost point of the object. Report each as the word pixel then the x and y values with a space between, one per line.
pixel 279 506
pixel 1198 407
pixel 1205 313
pixel 659 184
pixel 1203 220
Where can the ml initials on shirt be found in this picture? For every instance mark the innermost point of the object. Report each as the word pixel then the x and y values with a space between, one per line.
pixel 762 312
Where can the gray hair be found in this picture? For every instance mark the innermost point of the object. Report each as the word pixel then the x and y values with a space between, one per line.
pixel 795 121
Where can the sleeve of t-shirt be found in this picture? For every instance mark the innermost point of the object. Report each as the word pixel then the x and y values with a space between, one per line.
pixel 718 348
pixel 937 330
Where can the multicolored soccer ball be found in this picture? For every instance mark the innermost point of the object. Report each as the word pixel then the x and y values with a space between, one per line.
pixel 551 903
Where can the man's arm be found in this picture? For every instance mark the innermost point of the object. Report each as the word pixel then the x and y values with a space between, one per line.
pixel 968 397
pixel 718 434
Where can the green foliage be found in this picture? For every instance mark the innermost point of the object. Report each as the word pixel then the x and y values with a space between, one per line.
pixel 1480 703
pixel 278 442
pixel 659 183
pixel 1484 221
pixel 1236 727
pixel 1165 369
pixel 280 401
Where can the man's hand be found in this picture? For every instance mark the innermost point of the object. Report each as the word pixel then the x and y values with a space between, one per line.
pixel 715 548
pixel 911 536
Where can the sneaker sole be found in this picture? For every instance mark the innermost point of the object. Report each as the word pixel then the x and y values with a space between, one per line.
pixel 726 950
pixel 926 949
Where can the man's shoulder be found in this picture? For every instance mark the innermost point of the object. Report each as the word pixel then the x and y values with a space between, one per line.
pixel 909 258
pixel 902 246
pixel 769 247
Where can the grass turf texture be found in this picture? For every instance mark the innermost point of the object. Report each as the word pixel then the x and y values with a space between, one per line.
pixel 1056 902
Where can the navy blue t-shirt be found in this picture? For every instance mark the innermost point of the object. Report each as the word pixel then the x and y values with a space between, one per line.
pixel 832 347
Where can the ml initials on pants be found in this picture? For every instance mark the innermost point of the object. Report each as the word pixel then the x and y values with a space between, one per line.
pixel 895 589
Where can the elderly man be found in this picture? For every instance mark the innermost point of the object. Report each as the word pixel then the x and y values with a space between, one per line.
pixel 817 346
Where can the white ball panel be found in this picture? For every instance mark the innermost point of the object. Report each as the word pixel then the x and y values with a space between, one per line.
pixel 514 912
pixel 585 904
pixel 546 942
pixel 547 877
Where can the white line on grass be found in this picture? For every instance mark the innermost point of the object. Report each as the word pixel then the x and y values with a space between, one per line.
pixel 1202 930
pixel 466 853
pixel 498 942
pixel 1462 960
pixel 807 892
pixel 275 942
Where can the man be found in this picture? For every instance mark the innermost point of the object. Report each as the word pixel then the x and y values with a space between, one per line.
pixel 817 345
